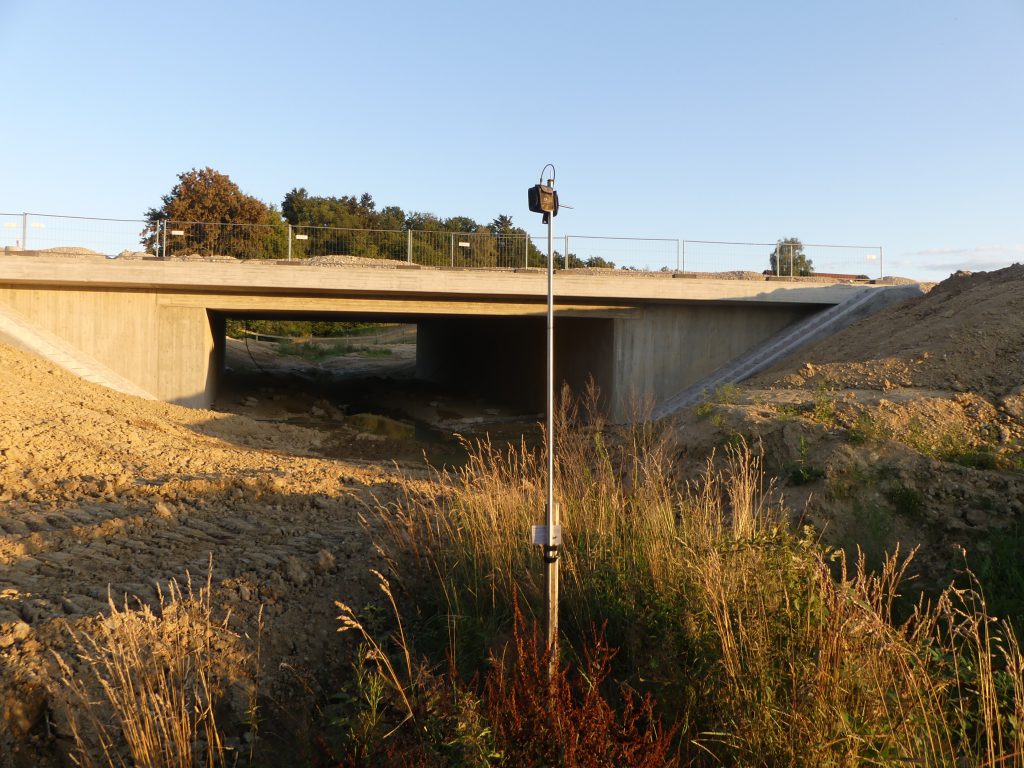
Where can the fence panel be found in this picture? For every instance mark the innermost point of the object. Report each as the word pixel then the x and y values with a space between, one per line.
pixel 633 253
pixel 210 240
pixel 707 256
pixel 10 231
pixel 436 248
pixel 326 242
pixel 70 235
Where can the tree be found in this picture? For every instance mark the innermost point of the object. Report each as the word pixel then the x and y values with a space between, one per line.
pixel 501 225
pixel 789 258
pixel 214 218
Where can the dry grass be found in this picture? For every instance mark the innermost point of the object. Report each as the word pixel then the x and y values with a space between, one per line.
pixel 146 687
pixel 767 647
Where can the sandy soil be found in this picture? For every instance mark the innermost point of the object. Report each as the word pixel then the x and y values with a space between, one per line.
pixel 102 492
pixel 906 428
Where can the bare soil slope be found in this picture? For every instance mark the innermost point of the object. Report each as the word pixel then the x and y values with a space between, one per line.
pixel 906 428
pixel 965 335
pixel 103 492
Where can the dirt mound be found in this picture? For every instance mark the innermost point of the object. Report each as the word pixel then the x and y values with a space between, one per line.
pixel 103 493
pixel 966 334
pixel 906 429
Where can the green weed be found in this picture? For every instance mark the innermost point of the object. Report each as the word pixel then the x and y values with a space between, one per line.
pixel 906 501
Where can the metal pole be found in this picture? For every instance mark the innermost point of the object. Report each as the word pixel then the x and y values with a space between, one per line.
pixel 550 547
pixel 678 259
pixel 408 245
pixel 24 231
pixel 163 251
pixel 682 267
pixel 289 242
pixel 881 269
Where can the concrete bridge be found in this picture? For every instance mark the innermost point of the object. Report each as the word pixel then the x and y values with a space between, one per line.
pixel 160 324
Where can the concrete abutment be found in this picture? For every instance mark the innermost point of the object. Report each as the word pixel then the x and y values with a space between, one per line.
pixel 636 360
pixel 173 352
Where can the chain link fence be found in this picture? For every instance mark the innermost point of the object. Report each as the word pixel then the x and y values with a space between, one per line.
pixel 70 235
pixel 77 235
pixel 781 258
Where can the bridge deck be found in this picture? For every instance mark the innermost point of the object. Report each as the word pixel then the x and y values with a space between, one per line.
pixel 413 285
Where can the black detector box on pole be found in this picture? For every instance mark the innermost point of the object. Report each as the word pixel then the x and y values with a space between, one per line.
pixel 543 199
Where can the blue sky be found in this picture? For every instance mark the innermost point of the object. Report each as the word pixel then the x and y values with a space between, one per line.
pixel 899 124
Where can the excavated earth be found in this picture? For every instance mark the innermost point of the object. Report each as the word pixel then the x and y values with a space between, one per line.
pixel 104 495
pixel 904 429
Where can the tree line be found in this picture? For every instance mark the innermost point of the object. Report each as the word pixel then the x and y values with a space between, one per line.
pixel 192 216
pixel 203 200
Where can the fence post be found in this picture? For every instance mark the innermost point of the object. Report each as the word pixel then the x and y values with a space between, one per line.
pixel 24 231
pixel 565 255
pixel 408 246
pixel 526 251
pixel 881 269
pixel 289 242
pixel 679 261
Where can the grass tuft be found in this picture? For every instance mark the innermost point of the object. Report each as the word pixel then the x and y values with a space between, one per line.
pixel 148 689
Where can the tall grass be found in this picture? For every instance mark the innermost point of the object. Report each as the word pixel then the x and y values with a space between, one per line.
pixel 766 647
pixel 147 688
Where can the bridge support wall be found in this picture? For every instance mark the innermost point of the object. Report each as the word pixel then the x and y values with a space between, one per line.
pixel 639 359
pixel 664 349
pixel 173 352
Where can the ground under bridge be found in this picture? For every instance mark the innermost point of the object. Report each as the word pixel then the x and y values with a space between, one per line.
pixel 642 337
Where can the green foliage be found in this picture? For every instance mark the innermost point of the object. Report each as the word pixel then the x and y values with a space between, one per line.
pixel 316 352
pixel 948 444
pixel 789 258
pixel 346 212
pixel 907 501
pixel 727 394
pixel 802 472
pixel 824 409
pixel 999 566
pixel 237 328
pixel 354 226
pixel 198 205
pixel 787 411
pixel 592 262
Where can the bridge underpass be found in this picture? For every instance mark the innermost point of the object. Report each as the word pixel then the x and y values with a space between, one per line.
pixel 642 338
